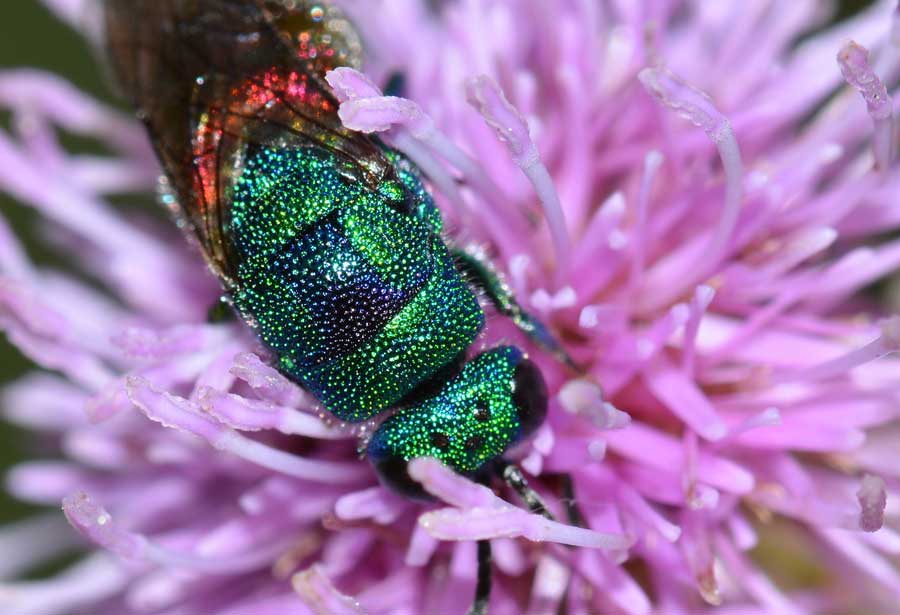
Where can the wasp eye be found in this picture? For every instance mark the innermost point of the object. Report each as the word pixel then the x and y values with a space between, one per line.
pixel 529 396
pixel 440 440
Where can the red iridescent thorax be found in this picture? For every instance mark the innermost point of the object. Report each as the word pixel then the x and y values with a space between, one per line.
pixel 276 97
pixel 278 94
pixel 213 78
pixel 309 49
pixel 280 106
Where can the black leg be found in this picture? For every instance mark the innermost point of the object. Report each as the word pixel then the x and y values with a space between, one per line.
pixel 474 264
pixel 572 511
pixel 483 586
pixel 515 479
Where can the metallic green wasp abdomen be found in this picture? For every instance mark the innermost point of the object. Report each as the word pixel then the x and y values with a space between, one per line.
pixel 352 289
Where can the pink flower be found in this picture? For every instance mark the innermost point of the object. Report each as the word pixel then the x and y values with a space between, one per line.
pixel 690 198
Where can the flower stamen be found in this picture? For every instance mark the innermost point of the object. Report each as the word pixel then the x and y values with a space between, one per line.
pixel 853 59
pixel 96 524
pixel 318 592
pixel 586 399
pixel 697 108
pixel 253 415
pixel 487 97
pixel 652 162
pixel 886 343
pixel 487 516
pixel 179 413
pixel 872 498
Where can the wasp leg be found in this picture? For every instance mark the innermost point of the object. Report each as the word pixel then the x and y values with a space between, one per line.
pixel 473 263
pixel 483 585
pixel 513 477
pixel 573 513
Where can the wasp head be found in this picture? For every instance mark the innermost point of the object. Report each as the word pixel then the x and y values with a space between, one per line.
pixel 497 399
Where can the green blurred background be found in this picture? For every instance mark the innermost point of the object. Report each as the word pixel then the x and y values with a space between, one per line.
pixel 31 36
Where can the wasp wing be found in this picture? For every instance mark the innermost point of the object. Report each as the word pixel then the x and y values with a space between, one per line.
pixel 211 78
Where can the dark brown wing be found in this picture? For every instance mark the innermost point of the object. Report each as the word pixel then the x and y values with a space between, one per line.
pixel 210 77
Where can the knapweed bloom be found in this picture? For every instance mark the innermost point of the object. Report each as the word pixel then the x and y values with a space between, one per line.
pixel 696 197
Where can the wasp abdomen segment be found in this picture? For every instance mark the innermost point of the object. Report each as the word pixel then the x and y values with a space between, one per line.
pixel 359 301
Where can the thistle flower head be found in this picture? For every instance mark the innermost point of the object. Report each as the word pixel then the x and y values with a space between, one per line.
pixel 693 196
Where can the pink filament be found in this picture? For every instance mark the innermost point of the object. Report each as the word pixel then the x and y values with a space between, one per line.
pixel 853 59
pixel 487 97
pixel 696 107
